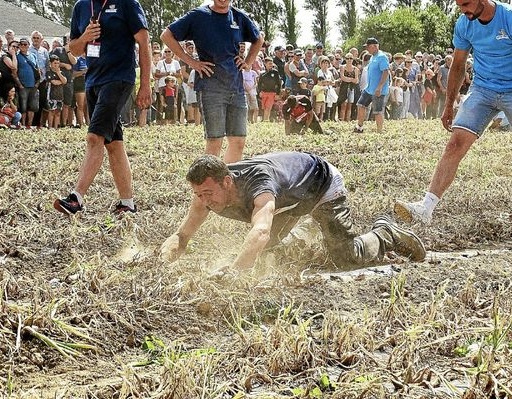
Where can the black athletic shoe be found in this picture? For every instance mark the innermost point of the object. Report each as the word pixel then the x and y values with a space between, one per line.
pixel 68 205
pixel 120 209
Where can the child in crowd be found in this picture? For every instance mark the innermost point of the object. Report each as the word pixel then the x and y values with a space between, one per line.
pixel 396 97
pixel 9 115
pixel 250 86
pixel 303 88
pixel 319 97
pixel 168 99
pixel 277 109
pixel 55 94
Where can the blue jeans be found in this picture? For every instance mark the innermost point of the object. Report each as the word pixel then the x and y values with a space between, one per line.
pixel 479 107
pixel 377 102
pixel 224 112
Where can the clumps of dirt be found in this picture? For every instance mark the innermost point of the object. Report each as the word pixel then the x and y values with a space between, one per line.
pixel 87 309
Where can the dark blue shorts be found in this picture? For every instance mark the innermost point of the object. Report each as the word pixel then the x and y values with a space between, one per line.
pixel 105 103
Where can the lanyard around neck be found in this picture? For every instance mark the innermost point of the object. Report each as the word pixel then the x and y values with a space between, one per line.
pixel 97 18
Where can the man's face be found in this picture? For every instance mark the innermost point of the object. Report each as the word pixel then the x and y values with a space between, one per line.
pixel 372 48
pixel 319 50
pixel 269 65
pixel 213 195
pixel 472 9
pixel 190 49
pixel 36 40
pixel 309 54
pixel 24 47
pixel 221 6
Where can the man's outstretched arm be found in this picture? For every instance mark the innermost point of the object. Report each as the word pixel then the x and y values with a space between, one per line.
pixel 259 235
pixel 175 245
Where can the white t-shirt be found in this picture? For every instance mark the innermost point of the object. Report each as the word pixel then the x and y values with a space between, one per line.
pixel 162 66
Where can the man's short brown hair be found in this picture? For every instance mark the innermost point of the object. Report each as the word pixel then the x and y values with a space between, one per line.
pixel 207 166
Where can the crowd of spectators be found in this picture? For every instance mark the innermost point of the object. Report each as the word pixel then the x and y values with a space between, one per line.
pixel 49 90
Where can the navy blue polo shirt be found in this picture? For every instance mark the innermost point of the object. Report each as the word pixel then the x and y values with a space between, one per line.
pixel 217 39
pixel 120 20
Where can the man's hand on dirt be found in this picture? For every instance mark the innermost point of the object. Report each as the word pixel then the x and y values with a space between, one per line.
pixel 171 249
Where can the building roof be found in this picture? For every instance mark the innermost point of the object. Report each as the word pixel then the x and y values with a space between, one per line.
pixel 24 22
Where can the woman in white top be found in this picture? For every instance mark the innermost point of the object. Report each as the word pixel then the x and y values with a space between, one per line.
pixel 167 66
pixel 330 95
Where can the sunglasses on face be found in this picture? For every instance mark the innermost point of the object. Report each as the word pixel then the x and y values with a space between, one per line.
pixel 23 44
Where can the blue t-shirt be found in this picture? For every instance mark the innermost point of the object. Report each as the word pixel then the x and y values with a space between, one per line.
pixel 120 20
pixel 492 48
pixel 217 38
pixel 26 65
pixel 378 64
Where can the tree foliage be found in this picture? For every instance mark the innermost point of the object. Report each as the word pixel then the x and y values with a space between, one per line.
pixel 437 29
pixel 375 7
pixel 396 31
pixel 319 24
pixel 446 6
pixel 264 12
pixel 290 26
pixel 408 4
pixel 347 22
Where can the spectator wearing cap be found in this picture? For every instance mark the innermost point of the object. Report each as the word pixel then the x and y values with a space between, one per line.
pixel 377 87
pixel 279 61
pixel 297 70
pixel 28 101
pixel 269 88
pixel 303 88
pixel 319 51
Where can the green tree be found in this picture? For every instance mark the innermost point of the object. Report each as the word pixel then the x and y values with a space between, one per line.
pixel 408 3
pixel 319 24
pixel 290 26
pixel 375 7
pixel 447 6
pixel 264 12
pixel 347 22
pixel 396 31
pixel 437 29
pixel 160 13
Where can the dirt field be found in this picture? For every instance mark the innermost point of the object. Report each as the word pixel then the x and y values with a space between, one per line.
pixel 87 309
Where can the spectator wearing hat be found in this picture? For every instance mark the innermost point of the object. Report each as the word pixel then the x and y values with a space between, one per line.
pixel 398 62
pixel 279 61
pixel 377 87
pixel 303 88
pixel 319 51
pixel 297 70
pixel 28 95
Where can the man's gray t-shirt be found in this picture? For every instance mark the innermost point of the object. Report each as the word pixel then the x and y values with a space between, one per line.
pixel 297 180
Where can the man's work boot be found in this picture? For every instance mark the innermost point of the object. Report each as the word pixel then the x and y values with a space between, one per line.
pixel 395 238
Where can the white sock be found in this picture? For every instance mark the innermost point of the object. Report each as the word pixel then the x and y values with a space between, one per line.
pixel 78 197
pixel 128 202
pixel 430 201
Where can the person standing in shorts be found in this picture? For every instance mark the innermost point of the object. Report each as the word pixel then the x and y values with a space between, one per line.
pixel 217 31
pixel 483 29
pixel 269 88
pixel 107 35
pixel 377 88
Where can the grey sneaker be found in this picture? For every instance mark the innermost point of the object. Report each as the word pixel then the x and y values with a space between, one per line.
pixel 412 212
pixel 405 242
